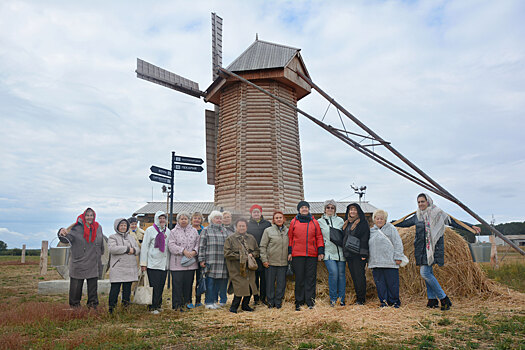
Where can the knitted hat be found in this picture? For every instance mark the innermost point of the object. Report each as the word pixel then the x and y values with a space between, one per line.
pixel 256 206
pixel 330 201
pixel 302 204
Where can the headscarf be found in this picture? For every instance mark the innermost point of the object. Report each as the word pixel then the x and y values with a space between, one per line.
pixel 435 220
pixel 89 230
pixel 160 239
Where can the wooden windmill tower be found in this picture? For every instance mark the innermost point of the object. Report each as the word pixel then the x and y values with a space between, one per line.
pixel 252 141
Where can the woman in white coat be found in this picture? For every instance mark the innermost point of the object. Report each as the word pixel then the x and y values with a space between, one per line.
pixel 123 249
pixel 154 258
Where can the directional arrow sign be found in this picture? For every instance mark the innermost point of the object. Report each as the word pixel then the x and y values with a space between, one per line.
pixel 184 167
pixel 160 171
pixel 161 179
pixel 188 160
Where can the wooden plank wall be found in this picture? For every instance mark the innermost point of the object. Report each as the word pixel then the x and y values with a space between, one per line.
pixel 258 151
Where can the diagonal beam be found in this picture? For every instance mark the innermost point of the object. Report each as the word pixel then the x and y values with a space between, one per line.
pixel 432 185
pixel 451 197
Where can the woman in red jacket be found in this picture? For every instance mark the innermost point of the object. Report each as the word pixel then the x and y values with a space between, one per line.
pixel 305 248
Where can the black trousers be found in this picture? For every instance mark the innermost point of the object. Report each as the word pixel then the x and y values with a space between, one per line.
pixel 357 271
pixel 181 285
pixel 157 279
pixel 260 281
pixel 114 292
pixel 75 292
pixel 275 284
pixel 237 301
pixel 305 269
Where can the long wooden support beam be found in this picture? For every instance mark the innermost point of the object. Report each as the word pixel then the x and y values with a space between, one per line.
pixel 450 197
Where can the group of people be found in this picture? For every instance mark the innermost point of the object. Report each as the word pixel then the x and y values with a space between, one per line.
pixel 253 257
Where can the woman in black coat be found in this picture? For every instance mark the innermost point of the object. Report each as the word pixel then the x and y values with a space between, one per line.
pixel 357 226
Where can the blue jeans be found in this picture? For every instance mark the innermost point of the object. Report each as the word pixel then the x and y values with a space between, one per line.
pixel 434 290
pixel 336 279
pixel 216 287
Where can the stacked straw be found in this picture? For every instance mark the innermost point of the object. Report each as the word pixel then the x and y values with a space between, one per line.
pixel 460 277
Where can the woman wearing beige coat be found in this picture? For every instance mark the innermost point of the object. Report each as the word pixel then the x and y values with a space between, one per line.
pixel 237 248
pixel 274 257
pixel 123 250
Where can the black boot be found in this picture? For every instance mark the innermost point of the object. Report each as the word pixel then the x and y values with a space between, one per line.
pixel 433 303
pixel 245 304
pixel 235 304
pixel 445 303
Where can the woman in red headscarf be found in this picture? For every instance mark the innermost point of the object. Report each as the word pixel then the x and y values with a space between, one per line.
pixel 87 246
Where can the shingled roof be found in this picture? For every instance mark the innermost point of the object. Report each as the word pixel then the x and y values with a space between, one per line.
pixel 263 55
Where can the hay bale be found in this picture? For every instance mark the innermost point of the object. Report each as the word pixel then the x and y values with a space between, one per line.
pixel 460 277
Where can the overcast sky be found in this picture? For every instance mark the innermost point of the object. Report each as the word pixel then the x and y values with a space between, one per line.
pixel 444 81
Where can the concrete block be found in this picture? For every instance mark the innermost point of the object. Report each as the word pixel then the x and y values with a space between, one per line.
pixel 62 287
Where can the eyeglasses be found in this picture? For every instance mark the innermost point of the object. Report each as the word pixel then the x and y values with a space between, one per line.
pixel 329 207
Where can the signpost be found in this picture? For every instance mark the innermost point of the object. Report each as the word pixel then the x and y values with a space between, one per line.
pixel 166 176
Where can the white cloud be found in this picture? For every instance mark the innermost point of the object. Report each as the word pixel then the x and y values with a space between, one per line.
pixel 443 81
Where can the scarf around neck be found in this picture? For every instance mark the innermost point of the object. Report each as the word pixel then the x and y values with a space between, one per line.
pixel 89 230
pixel 354 223
pixel 160 239
pixel 304 218
pixel 435 220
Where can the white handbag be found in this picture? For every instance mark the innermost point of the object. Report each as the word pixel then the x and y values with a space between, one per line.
pixel 143 294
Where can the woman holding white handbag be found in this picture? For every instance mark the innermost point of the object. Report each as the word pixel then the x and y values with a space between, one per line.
pixel 386 255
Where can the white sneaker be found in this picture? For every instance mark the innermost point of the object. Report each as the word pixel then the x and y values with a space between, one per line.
pixel 155 312
pixel 211 306
pixel 222 304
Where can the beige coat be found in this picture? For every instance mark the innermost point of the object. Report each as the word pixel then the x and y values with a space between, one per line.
pixel 241 279
pixel 274 246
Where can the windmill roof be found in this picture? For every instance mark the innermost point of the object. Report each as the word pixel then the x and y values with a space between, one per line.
pixel 263 55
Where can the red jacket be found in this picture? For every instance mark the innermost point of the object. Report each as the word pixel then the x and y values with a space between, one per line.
pixel 305 239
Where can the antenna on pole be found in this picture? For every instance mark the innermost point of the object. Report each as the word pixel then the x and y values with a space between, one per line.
pixel 361 191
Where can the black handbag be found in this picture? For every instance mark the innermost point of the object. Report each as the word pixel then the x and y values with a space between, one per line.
pixel 353 244
pixel 201 284
pixel 289 270
pixel 336 235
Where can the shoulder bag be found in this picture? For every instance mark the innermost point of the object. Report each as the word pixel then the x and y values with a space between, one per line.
pixel 143 294
pixel 336 235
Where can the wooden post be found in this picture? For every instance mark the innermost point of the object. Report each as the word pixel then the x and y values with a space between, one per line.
pixel 23 259
pixel 493 252
pixel 43 258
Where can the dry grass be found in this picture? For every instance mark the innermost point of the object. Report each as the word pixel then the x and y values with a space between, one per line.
pixel 492 316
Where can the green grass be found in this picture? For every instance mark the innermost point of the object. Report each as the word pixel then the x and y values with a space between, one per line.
pixel 511 274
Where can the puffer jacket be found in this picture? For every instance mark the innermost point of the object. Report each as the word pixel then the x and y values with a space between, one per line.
pixel 331 251
pixel 305 238
pixel 150 256
pixel 274 246
pixel 122 265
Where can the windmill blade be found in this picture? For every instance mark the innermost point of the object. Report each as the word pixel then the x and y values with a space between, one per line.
pixel 150 72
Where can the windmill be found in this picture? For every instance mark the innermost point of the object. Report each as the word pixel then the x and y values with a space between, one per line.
pixel 252 141
pixel 252 138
